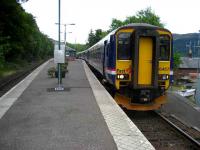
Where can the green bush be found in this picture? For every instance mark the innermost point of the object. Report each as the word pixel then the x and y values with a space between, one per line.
pixel 52 70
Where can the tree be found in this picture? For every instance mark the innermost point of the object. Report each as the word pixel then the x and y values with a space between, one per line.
pixel 4 49
pixel 177 60
pixel 115 24
pixel 148 16
pixel 142 16
pixel 20 37
pixel 99 34
pixel 21 1
pixel 78 47
pixel 93 38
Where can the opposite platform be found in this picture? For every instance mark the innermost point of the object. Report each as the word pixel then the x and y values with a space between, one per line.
pixel 40 119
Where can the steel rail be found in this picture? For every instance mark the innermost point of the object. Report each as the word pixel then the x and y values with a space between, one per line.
pixel 12 80
pixel 180 130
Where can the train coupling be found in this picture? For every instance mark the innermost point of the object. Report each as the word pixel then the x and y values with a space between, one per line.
pixel 145 96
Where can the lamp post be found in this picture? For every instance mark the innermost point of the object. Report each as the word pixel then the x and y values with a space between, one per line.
pixel 59 44
pixel 59 65
pixel 72 24
pixel 65 29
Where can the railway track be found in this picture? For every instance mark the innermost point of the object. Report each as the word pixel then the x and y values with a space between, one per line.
pixel 8 82
pixel 163 133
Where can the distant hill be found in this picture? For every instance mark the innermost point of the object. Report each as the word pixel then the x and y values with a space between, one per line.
pixel 180 41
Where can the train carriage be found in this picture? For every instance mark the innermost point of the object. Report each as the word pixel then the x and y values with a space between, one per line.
pixel 137 60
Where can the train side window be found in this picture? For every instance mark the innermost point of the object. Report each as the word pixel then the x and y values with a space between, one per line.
pixel 164 47
pixel 124 46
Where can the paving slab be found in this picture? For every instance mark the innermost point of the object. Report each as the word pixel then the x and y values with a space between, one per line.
pixel 42 120
pixel 85 116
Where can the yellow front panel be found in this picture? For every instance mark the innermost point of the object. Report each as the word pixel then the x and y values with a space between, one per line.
pixel 123 67
pixel 145 61
pixel 164 68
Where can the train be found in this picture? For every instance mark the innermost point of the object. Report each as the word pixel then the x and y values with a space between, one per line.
pixel 137 61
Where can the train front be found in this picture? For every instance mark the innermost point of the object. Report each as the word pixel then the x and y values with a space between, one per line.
pixel 143 56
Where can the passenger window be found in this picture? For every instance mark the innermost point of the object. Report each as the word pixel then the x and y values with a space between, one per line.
pixel 124 46
pixel 164 47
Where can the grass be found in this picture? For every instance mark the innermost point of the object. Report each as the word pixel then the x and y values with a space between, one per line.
pixel 13 67
pixel 6 72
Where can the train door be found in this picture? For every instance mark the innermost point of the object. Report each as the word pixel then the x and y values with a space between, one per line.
pixel 145 61
pixel 106 57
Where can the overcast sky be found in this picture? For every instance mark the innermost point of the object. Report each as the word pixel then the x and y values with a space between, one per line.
pixel 179 16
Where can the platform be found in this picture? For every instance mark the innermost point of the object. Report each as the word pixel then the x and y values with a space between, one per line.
pixel 84 116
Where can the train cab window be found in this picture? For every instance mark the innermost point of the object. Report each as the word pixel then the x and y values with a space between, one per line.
pixel 164 47
pixel 124 46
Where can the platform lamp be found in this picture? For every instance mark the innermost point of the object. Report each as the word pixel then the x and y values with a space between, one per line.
pixel 59 65
pixel 59 46
pixel 59 68
pixel 72 24
pixel 65 33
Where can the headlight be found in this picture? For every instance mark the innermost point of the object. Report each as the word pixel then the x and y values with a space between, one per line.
pixel 163 77
pixel 122 76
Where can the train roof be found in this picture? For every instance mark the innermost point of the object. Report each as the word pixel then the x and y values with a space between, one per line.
pixel 132 25
pixel 142 25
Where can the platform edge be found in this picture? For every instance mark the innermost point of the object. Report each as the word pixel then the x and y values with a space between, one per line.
pixel 120 126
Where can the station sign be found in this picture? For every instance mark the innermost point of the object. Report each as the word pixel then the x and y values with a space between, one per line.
pixel 59 54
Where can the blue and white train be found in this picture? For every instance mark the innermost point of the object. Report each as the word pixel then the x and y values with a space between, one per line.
pixel 136 59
